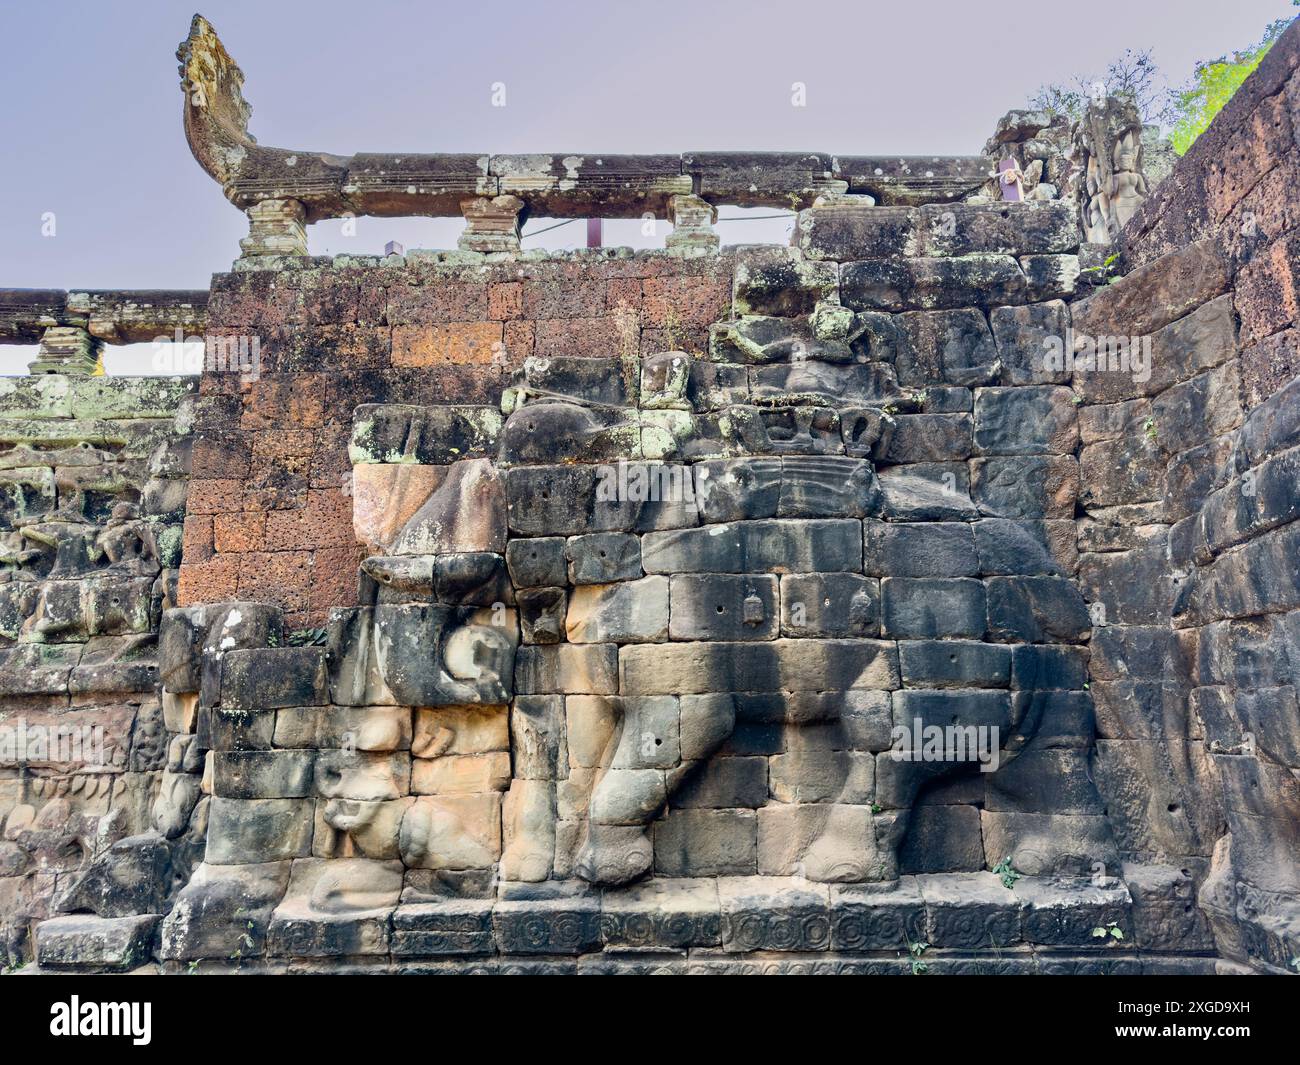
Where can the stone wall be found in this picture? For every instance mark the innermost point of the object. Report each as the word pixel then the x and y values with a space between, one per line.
pixel 93 472
pixel 571 612
pixel 1189 487
pixel 271 515
pixel 855 512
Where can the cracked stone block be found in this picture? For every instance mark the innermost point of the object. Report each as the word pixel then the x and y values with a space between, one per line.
pixel 1066 912
pixel 81 941
pixel 829 604
pixel 453 832
pixel 550 918
pixel 450 926
pixel 662 914
pixel 719 606
pixel 338 907
pixel 537 562
pixel 224 909
pixel 252 831
pixel 877 916
pixel 970 911
pixel 706 843
pixel 771 913
pixel 625 612
pixel 825 841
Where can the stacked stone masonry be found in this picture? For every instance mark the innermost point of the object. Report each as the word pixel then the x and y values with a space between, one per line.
pixel 564 612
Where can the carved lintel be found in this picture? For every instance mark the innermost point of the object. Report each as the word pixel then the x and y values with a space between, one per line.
pixel 491 224
pixel 693 231
pixel 69 350
pixel 275 227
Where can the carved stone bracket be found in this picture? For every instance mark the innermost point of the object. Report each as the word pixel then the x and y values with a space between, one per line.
pixel 275 227
pixel 491 224
pixel 68 350
pixel 693 230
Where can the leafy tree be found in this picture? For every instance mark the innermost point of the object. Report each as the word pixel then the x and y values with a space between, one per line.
pixel 1133 74
pixel 1212 85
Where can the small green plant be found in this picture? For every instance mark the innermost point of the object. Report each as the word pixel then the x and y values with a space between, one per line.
pixel 1004 870
pixel 914 952
pixel 307 638
pixel 1107 273
pixel 192 968
pixel 1111 930
pixel 1077 400
pixel 1149 428
pixel 1295 964
pixel 876 807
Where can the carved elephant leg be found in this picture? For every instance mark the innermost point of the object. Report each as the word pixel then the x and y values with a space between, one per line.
pixel 659 741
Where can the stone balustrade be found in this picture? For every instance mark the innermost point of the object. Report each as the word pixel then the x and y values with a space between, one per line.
pixel 73 327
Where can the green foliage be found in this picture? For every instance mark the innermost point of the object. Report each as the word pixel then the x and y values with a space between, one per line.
pixel 1212 85
pixel 1007 873
pixel 1111 931
pixel 914 952
pixel 1133 75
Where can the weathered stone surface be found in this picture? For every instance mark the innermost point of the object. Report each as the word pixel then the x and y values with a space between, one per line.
pixel 818 545
pixel 626 612
pixel 84 942
pixel 829 604
pixel 919 608
pixel 692 843
pixel 719 606
pixel 664 914
pixel 762 913
pixel 777 665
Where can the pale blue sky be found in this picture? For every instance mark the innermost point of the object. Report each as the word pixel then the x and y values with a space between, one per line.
pixel 91 125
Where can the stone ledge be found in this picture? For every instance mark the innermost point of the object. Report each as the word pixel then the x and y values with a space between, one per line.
pixel 728 922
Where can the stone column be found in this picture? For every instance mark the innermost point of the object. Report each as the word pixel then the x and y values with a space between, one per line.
pixel 275 227
pixel 68 349
pixel 693 231
pixel 491 224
